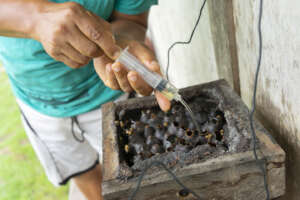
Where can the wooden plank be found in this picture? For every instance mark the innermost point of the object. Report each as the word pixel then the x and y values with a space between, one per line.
pixel 109 143
pixel 224 42
pixel 234 182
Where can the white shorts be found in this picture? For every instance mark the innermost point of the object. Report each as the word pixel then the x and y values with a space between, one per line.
pixel 66 147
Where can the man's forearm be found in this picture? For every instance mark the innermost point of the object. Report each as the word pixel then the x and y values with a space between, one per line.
pixel 129 30
pixel 17 17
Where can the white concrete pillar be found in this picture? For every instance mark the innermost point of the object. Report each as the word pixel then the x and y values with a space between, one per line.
pixel 173 20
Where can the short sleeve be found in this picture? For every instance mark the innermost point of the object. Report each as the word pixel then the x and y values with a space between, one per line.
pixel 133 7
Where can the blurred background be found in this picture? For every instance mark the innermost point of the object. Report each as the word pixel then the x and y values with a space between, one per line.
pixel 21 174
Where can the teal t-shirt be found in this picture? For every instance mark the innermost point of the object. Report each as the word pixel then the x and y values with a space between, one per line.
pixel 51 87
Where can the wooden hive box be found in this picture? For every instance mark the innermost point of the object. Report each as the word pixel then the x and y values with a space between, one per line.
pixel 229 176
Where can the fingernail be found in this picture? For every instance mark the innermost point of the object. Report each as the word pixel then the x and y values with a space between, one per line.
pixel 116 68
pixel 108 67
pixel 133 78
pixel 154 63
pixel 151 63
pixel 147 62
pixel 117 54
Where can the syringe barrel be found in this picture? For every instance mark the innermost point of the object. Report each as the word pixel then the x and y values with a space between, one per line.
pixel 132 63
pixel 156 81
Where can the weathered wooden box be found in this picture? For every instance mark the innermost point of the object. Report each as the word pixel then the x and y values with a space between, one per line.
pixel 228 176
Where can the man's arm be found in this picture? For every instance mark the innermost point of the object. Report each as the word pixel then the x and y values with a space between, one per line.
pixel 68 32
pixel 17 17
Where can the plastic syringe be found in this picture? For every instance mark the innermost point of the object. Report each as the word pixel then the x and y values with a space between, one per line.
pixel 156 81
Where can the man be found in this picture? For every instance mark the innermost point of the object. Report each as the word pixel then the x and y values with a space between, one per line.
pixel 60 60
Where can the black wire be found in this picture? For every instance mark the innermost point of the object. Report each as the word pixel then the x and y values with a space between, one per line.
pixel 75 121
pixel 183 42
pixel 251 116
pixel 169 171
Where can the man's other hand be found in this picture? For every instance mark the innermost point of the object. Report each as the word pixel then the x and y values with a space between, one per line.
pixel 117 77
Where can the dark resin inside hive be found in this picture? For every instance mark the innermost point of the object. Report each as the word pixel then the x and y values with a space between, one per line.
pixel 150 134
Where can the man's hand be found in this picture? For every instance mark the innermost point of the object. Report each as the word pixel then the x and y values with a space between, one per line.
pixel 73 35
pixel 117 77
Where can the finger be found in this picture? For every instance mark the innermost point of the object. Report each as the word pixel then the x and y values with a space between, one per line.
pixel 146 56
pixel 121 76
pixel 83 45
pixel 111 80
pixel 149 43
pixel 142 53
pixel 74 55
pixel 68 61
pixel 105 23
pixel 153 66
pixel 99 31
pixel 162 101
pixel 138 84
pixel 100 66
